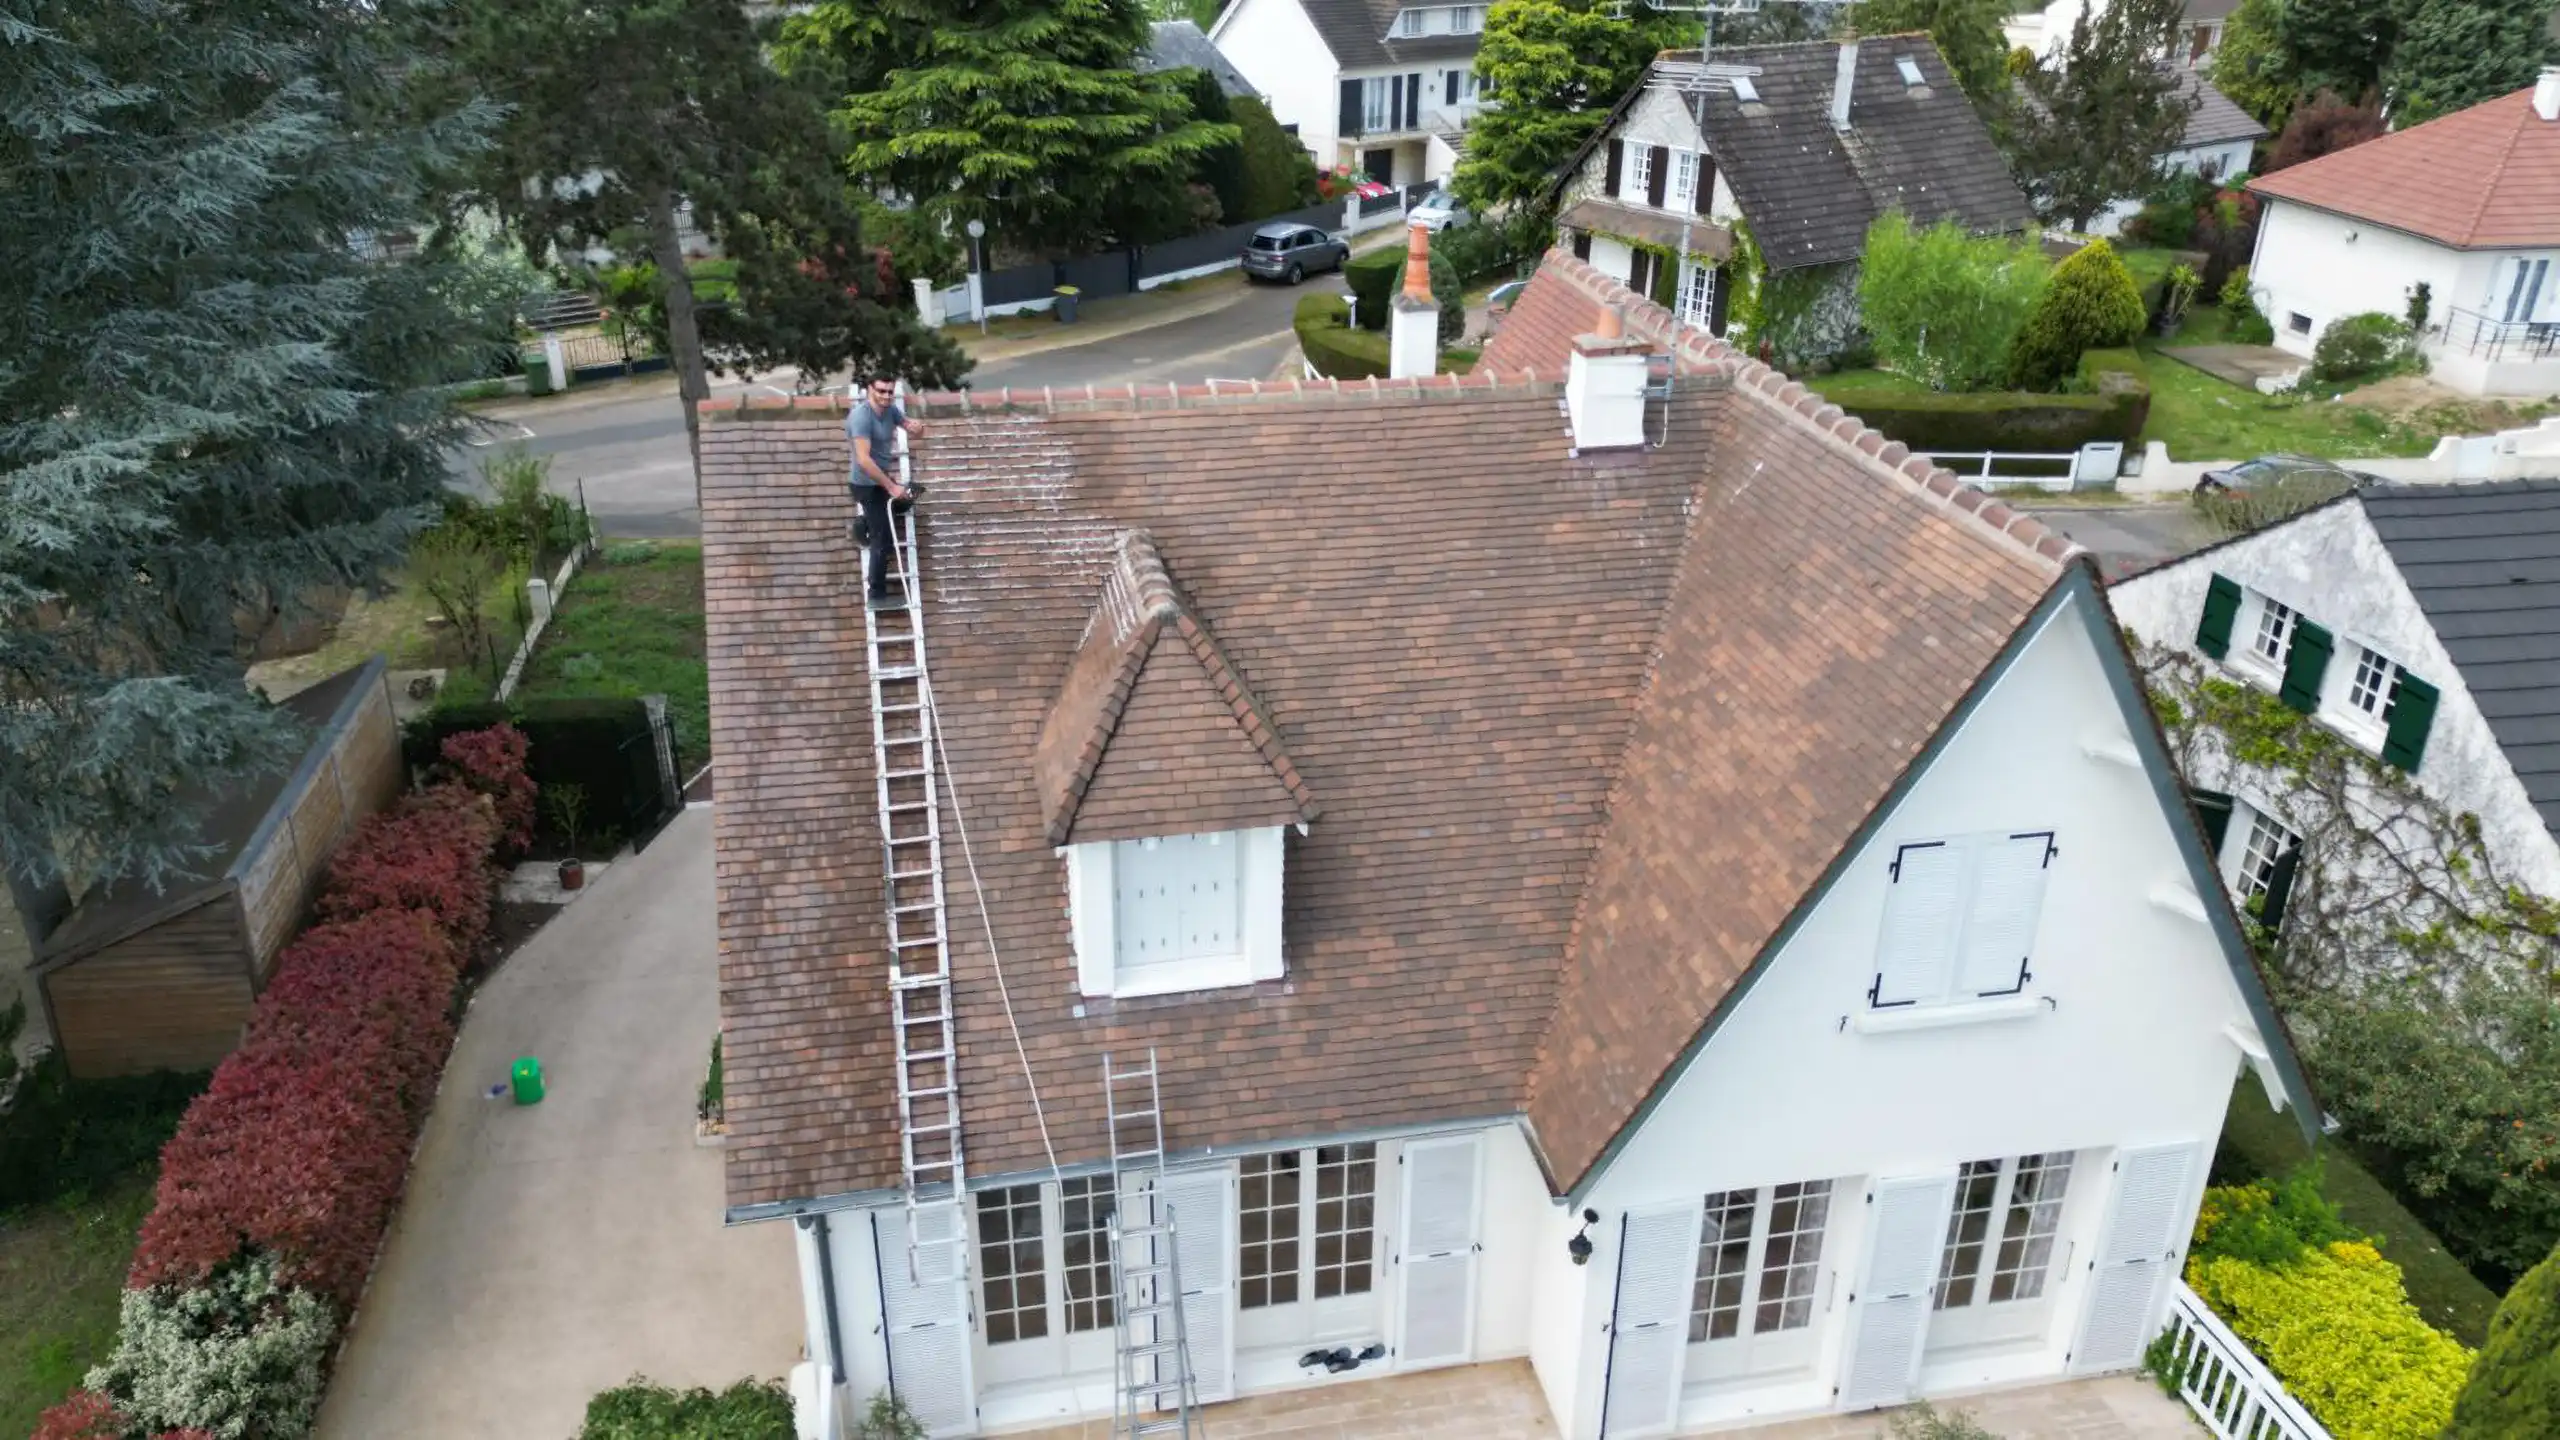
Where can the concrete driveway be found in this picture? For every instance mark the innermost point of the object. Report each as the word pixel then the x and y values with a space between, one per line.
pixel 548 1252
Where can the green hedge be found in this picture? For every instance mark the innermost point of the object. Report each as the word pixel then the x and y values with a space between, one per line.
pixel 1336 350
pixel 2116 405
pixel 747 1410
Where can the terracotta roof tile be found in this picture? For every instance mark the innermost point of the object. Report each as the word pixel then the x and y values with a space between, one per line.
pixel 2479 179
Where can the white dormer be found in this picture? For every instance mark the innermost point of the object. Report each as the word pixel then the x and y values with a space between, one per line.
pixel 1176 912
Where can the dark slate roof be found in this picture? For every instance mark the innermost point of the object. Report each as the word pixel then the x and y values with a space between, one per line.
pixel 1810 192
pixel 1356 32
pixel 2215 118
pixel 2484 562
pixel 1182 45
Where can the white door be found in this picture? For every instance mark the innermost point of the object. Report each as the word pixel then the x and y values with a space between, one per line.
pixel 1649 1328
pixel 1889 1310
pixel 1203 1204
pixel 924 1301
pixel 2137 1254
pixel 1436 1253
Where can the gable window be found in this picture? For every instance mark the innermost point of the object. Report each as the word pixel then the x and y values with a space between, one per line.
pixel 1176 912
pixel 2000 1236
pixel 1697 292
pixel 1960 918
pixel 2376 681
pixel 1466 19
pixel 2262 856
pixel 2273 629
pixel 1639 174
pixel 1681 194
pixel 1408 22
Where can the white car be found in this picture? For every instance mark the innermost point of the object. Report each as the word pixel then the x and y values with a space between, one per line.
pixel 1437 211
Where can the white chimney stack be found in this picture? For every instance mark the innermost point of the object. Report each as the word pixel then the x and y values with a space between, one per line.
pixel 2546 93
pixel 1841 81
pixel 1413 316
pixel 1604 387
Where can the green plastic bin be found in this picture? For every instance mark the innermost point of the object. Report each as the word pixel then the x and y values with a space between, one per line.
pixel 527 1077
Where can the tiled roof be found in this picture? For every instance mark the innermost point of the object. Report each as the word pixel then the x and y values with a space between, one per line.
pixel 2215 120
pixel 2484 564
pixel 2479 179
pixel 1180 45
pixel 1494 663
pixel 1356 32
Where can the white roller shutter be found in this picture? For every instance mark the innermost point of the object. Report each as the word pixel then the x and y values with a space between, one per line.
pixel 1204 1209
pixel 1436 1253
pixel 1889 1310
pixel 2137 1253
pixel 2001 916
pixel 1922 909
pixel 1649 1328
pixel 924 1309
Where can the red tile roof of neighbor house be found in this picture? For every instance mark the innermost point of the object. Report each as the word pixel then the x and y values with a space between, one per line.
pixel 2479 179
pixel 1577 733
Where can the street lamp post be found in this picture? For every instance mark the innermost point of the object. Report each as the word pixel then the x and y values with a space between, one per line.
pixel 978 271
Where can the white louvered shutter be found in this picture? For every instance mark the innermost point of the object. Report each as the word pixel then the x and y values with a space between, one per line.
pixel 1204 1209
pixel 1922 907
pixel 1649 1328
pixel 2137 1254
pixel 925 1316
pixel 2000 918
pixel 1436 1253
pixel 1889 1315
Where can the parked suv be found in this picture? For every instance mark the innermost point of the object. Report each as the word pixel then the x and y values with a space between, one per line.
pixel 1282 251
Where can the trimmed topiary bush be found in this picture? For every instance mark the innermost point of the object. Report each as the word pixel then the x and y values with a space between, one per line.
pixel 1445 289
pixel 2356 348
pixel 1325 336
pixel 2515 1384
pixel 2092 303
pixel 1372 278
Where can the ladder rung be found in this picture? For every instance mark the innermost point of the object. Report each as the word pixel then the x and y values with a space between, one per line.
pixel 1175 1426
pixel 919 944
pixel 920 905
pixel 926 1092
pixel 1133 1114
pixel 919 982
pixel 896 775
pixel 1154 1347
pixel 909 874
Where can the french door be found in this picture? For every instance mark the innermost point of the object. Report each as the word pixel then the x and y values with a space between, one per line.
pixel 1996 1271
pixel 1307 1247
pixel 1045 1291
pixel 1759 1267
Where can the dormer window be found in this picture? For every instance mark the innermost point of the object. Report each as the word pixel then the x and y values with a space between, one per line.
pixel 1466 20
pixel 1172 913
pixel 1408 22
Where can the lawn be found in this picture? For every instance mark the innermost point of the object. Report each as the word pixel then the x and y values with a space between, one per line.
pixel 2201 418
pixel 402 625
pixel 2258 1141
pixel 630 624
pixel 62 1268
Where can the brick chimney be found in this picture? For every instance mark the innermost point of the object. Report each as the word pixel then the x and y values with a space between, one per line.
pixel 1842 80
pixel 2546 93
pixel 1413 317
pixel 1604 386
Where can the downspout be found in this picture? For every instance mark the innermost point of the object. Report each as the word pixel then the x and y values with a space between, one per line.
pixel 816 1225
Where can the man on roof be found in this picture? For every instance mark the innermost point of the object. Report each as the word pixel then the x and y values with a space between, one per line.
pixel 872 426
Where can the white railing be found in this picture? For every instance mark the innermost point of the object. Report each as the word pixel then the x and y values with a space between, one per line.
pixel 2092 466
pixel 2235 1396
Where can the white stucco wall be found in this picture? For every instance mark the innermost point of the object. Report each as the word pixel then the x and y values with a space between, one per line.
pixel 1657 118
pixel 2132 1049
pixel 1276 47
pixel 2324 266
pixel 2331 567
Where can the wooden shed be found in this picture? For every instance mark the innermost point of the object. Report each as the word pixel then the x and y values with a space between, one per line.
pixel 137 980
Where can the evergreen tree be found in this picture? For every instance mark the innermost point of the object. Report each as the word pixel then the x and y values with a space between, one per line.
pixel 2097 112
pixel 1553 69
pixel 1278 175
pixel 2252 66
pixel 1967 33
pixel 2453 54
pixel 1026 114
pixel 214 387
pixel 2338 44
pixel 2514 1389
pixel 2091 303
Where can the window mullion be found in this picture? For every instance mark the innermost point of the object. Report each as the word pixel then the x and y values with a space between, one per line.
pixel 1996 1229
pixel 1761 1200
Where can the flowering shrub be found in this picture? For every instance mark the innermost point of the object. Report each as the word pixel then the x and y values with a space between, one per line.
pixel 87 1415
pixel 430 852
pixel 491 762
pixel 239 1356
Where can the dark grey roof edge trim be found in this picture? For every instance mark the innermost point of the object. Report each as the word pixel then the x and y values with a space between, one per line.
pixel 373 674
pixel 176 903
pixel 1983 684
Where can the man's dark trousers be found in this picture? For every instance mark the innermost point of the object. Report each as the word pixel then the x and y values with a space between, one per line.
pixel 876 521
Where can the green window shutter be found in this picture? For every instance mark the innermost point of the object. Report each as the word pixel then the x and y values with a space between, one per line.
pixel 2413 714
pixel 2213 812
pixel 2306 660
pixel 2221 607
pixel 2279 896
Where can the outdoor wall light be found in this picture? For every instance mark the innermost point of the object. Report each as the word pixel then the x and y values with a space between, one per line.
pixel 1579 1247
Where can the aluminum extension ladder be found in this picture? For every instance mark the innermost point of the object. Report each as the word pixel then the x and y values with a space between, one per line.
pixel 1156 1394
pixel 910 811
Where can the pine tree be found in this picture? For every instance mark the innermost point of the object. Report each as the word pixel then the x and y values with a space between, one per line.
pixel 215 387
pixel 2097 111
pixel 2338 44
pixel 2091 303
pixel 1026 114
pixel 2453 54
pixel 1553 69
pixel 2252 66
pixel 1967 33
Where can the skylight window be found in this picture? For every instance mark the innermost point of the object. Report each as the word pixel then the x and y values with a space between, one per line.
pixel 1745 91
pixel 1910 69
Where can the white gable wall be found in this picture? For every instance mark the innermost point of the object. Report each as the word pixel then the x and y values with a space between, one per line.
pixel 1275 45
pixel 1657 118
pixel 2331 567
pixel 2131 1050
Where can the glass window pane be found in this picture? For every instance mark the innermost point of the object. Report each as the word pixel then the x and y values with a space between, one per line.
pixel 1793 1261
pixel 1267 1230
pixel 1084 1216
pixel 1346 1190
pixel 1012 1260
pixel 1960 1263
pixel 2027 1230
pixel 1724 1259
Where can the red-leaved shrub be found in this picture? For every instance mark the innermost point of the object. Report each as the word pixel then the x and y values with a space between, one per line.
pixel 491 762
pixel 86 1415
pixel 429 852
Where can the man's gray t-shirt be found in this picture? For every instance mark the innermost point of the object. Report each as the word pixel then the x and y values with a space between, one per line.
pixel 881 428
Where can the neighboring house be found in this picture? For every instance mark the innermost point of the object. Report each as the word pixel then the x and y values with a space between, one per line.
pixel 1383 87
pixel 137 979
pixel 2467 204
pixel 2042 31
pixel 2422 623
pixel 1804 145
pixel 2219 141
pixel 1181 45
pixel 1728 933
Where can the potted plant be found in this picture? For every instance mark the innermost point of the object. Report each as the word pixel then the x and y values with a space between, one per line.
pixel 568 806
pixel 1066 306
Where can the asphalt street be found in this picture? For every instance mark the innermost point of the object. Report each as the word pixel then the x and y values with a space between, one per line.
pixel 625 445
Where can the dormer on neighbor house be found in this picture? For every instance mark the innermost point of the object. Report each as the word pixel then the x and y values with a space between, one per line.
pixel 1167 791
pixel 1803 145
pixel 1382 87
